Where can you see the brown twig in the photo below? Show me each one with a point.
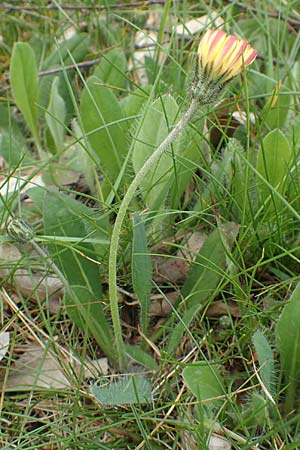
(275, 15)
(51, 7)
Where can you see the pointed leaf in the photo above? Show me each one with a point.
(205, 382)
(102, 121)
(288, 344)
(55, 116)
(67, 52)
(273, 161)
(203, 278)
(265, 359)
(112, 68)
(141, 357)
(154, 128)
(65, 217)
(141, 269)
(209, 266)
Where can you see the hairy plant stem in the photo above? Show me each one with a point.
(112, 264)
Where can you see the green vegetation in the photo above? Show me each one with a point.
(165, 313)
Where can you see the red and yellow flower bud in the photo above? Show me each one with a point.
(222, 56)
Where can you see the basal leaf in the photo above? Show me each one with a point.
(265, 359)
(55, 116)
(141, 269)
(185, 164)
(203, 279)
(154, 126)
(69, 51)
(276, 111)
(288, 344)
(141, 357)
(24, 83)
(205, 382)
(66, 218)
(134, 101)
(112, 68)
(209, 267)
(102, 119)
(273, 160)
(130, 390)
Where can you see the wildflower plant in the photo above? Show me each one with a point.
(220, 58)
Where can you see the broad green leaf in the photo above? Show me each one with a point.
(62, 218)
(238, 182)
(134, 101)
(130, 390)
(13, 145)
(141, 357)
(218, 183)
(273, 160)
(24, 84)
(154, 127)
(141, 269)
(288, 344)
(84, 306)
(256, 410)
(276, 111)
(205, 382)
(294, 133)
(102, 118)
(185, 164)
(112, 68)
(210, 264)
(203, 279)
(65, 217)
(67, 52)
(265, 359)
(293, 191)
(55, 116)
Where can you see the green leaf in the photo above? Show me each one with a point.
(102, 122)
(186, 163)
(273, 160)
(238, 182)
(276, 111)
(112, 68)
(202, 281)
(70, 51)
(65, 217)
(205, 382)
(55, 116)
(218, 184)
(84, 306)
(13, 146)
(24, 83)
(288, 344)
(265, 359)
(141, 357)
(293, 193)
(209, 266)
(154, 127)
(134, 101)
(130, 390)
(141, 269)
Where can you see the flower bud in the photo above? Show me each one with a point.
(220, 58)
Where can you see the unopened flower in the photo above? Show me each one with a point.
(220, 58)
